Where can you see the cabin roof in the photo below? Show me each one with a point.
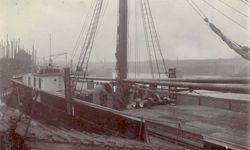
(48, 75)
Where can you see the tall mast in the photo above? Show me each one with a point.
(121, 49)
(121, 53)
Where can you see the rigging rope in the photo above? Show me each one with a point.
(129, 35)
(84, 24)
(136, 36)
(203, 16)
(90, 36)
(245, 2)
(200, 11)
(243, 51)
(152, 40)
(146, 37)
(210, 5)
(157, 39)
(98, 28)
(106, 4)
(196, 9)
(83, 61)
(151, 34)
(234, 9)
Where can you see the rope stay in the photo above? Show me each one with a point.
(152, 41)
(83, 61)
(136, 47)
(83, 28)
(203, 16)
(243, 51)
(222, 13)
(197, 9)
(245, 2)
(236, 10)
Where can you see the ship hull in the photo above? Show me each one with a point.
(51, 108)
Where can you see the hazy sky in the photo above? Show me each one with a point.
(182, 33)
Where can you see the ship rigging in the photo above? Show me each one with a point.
(157, 63)
(139, 109)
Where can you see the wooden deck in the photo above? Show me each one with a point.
(221, 127)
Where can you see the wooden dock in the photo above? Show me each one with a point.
(196, 127)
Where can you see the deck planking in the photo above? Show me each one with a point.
(227, 126)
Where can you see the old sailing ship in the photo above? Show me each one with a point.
(56, 97)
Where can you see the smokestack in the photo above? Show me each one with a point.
(33, 53)
(35, 56)
(7, 47)
(12, 49)
(18, 47)
(15, 48)
(4, 49)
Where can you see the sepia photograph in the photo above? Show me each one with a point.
(124, 74)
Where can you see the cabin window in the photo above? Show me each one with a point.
(40, 83)
(34, 82)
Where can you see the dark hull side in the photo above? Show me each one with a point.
(52, 110)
